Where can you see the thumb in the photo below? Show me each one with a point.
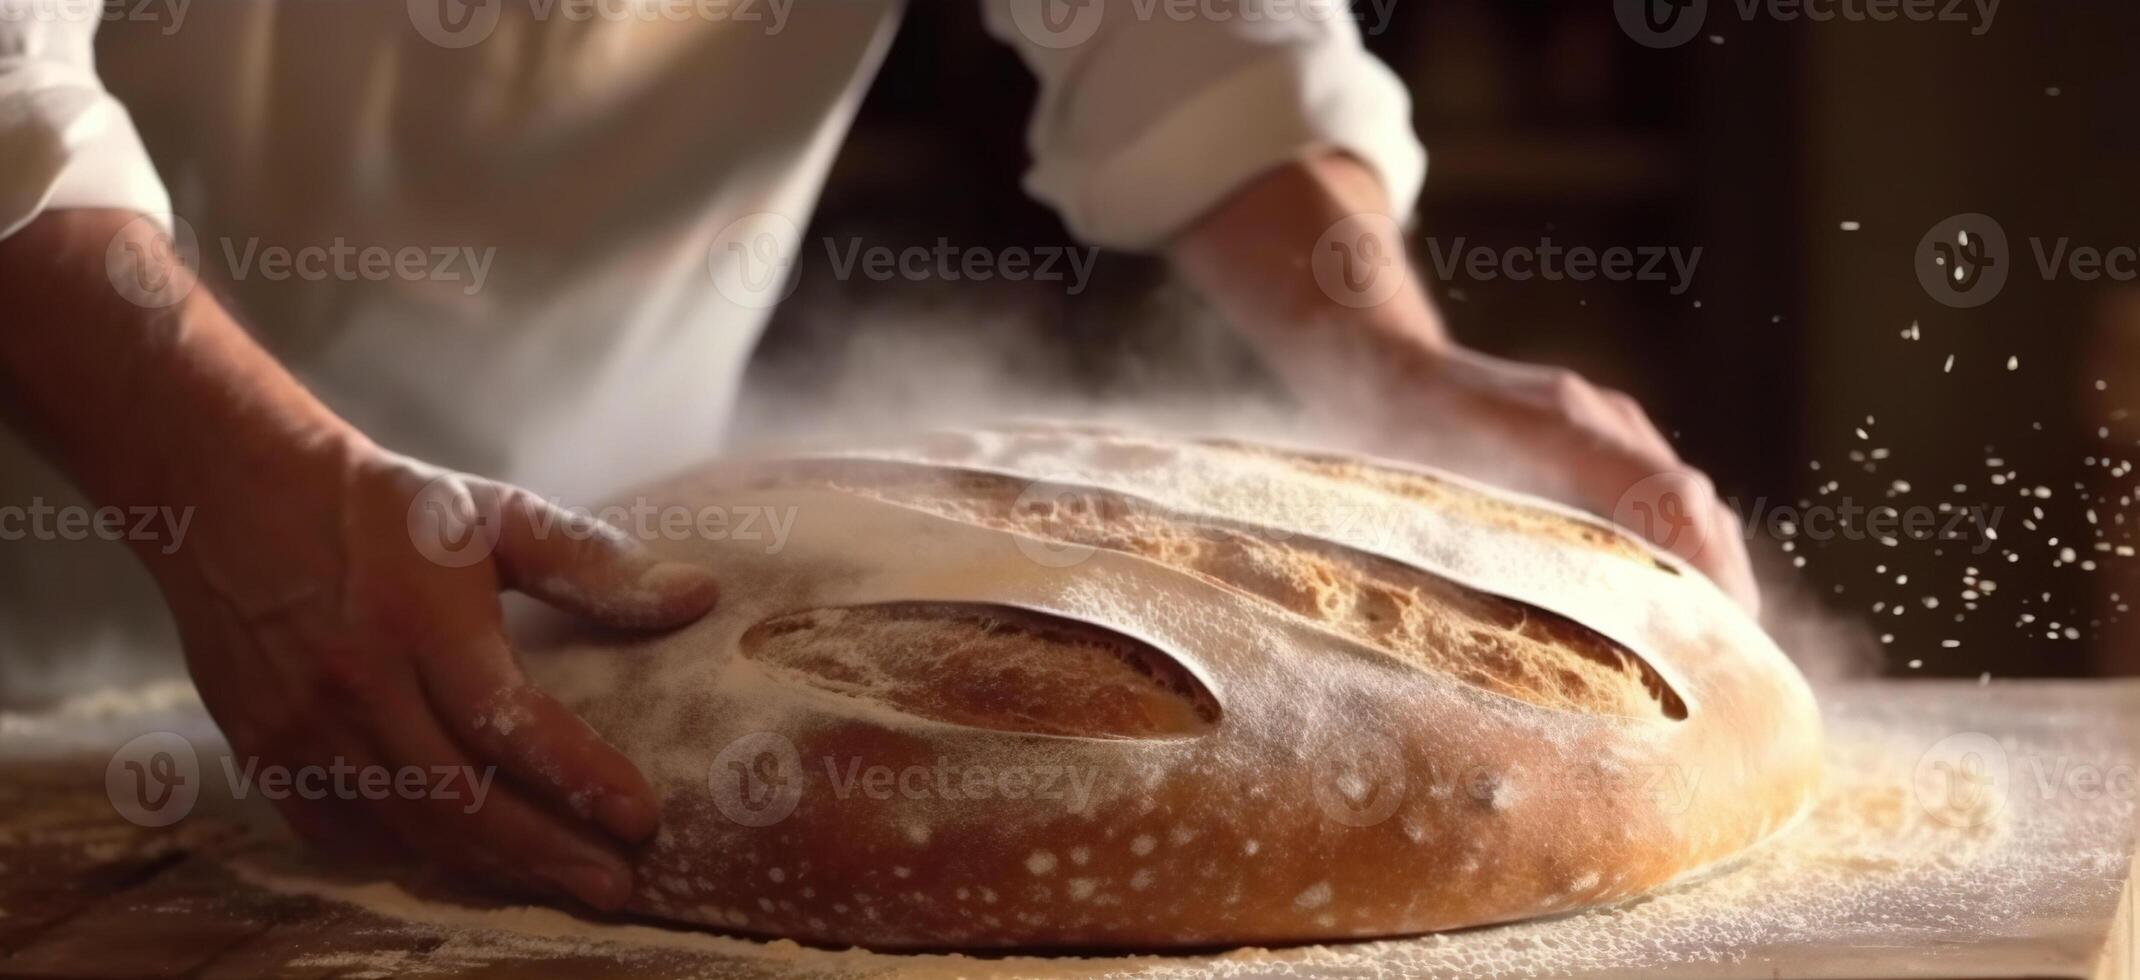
(592, 569)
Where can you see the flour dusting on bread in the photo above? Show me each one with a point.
(1062, 687)
(1503, 646)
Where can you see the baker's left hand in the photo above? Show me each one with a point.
(1306, 261)
(1552, 431)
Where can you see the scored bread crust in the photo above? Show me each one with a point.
(1056, 687)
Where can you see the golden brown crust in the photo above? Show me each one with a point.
(1504, 646)
(1437, 492)
(1008, 670)
(1278, 698)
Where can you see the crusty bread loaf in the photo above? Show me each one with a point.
(1056, 687)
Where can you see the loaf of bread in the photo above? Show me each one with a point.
(1068, 688)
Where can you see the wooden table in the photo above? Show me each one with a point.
(1972, 831)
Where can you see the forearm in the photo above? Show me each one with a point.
(1255, 258)
(139, 404)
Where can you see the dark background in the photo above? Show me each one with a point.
(1756, 141)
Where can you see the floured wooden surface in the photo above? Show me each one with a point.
(1964, 831)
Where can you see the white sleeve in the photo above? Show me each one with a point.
(1148, 117)
(64, 141)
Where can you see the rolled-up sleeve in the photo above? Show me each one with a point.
(65, 142)
(1152, 113)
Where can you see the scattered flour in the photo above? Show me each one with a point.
(1867, 868)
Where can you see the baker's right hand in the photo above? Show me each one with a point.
(343, 613)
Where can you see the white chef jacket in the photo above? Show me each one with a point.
(619, 162)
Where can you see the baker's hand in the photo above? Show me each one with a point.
(1306, 261)
(1550, 430)
(343, 613)
(338, 604)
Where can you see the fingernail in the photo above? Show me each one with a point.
(604, 888)
(626, 815)
(673, 578)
